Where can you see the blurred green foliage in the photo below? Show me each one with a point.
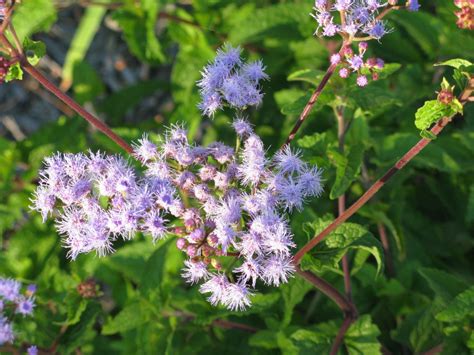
(145, 307)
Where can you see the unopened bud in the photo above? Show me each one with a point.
(445, 96)
(212, 240)
(191, 250)
(216, 264)
(181, 243)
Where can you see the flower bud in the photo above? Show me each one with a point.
(348, 52)
(216, 264)
(191, 250)
(375, 76)
(344, 73)
(181, 243)
(445, 96)
(362, 80)
(212, 240)
(363, 47)
(196, 236)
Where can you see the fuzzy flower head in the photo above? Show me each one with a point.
(237, 205)
(361, 17)
(229, 81)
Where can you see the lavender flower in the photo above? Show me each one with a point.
(229, 81)
(238, 204)
(360, 17)
(12, 297)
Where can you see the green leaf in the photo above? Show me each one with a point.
(470, 206)
(293, 293)
(426, 134)
(90, 23)
(347, 168)
(34, 50)
(264, 339)
(328, 253)
(132, 316)
(361, 337)
(33, 16)
(455, 63)
(138, 25)
(272, 21)
(81, 332)
(443, 284)
(87, 84)
(14, 73)
(153, 272)
(460, 308)
(308, 75)
(432, 111)
(296, 107)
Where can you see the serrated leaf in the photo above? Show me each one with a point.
(296, 107)
(361, 337)
(14, 73)
(328, 253)
(33, 16)
(138, 25)
(308, 75)
(293, 293)
(461, 307)
(276, 18)
(347, 169)
(455, 63)
(443, 284)
(34, 50)
(432, 111)
(130, 317)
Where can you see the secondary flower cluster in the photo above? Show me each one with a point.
(13, 301)
(96, 199)
(229, 81)
(352, 62)
(236, 231)
(466, 14)
(356, 17)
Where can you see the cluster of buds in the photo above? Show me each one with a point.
(354, 63)
(466, 14)
(12, 302)
(88, 289)
(446, 94)
(4, 67)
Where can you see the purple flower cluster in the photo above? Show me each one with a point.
(13, 301)
(356, 17)
(355, 63)
(96, 199)
(237, 202)
(229, 80)
(238, 212)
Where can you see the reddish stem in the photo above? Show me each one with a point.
(340, 335)
(414, 151)
(313, 99)
(101, 126)
(346, 306)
